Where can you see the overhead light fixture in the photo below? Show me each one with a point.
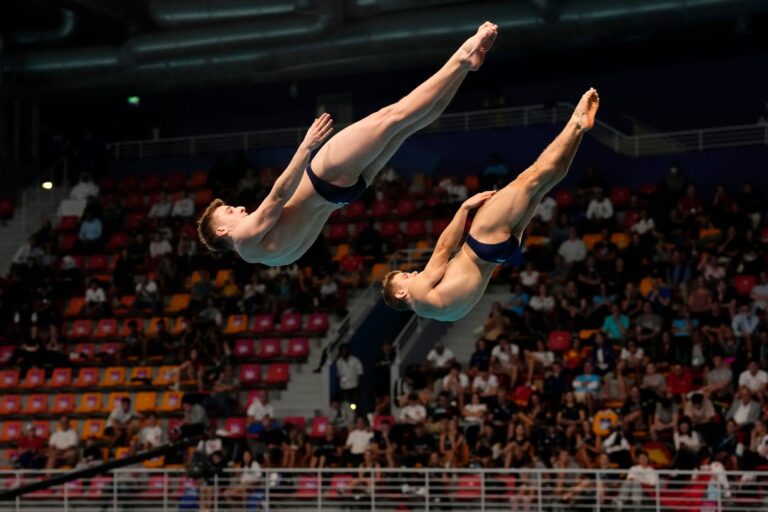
(47, 185)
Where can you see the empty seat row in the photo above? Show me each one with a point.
(271, 348)
(89, 403)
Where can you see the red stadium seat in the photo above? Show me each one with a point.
(415, 228)
(6, 208)
(261, 394)
(107, 185)
(379, 419)
(472, 183)
(236, 427)
(174, 182)
(134, 221)
(744, 284)
(522, 395)
(203, 197)
(133, 202)
(564, 199)
(63, 403)
(116, 242)
(263, 324)
(298, 348)
(299, 421)
(468, 487)
(36, 404)
(198, 179)
(67, 242)
(155, 487)
(307, 487)
(354, 210)
(319, 426)
(97, 263)
(620, 196)
(9, 378)
(631, 218)
(10, 404)
(406, 207)
(35, 378)
(6, 352)
(106, 328)
(338, 232)
(269, 348)
(438, 226)
(42, 428)
(559, 341)
(151, 182)
(317, 322)
(380, 209)
(61, 378)
(109, 350)
(99, 486)
(88, 377)
(290, 322)
(250, 374)
(80, 329)
(12, 431)
(85, 351)
(128, 183)
(74, 306)
(69, 223)
(338, 485)
(277, 374)
(389, 228)
(244, 348)
(356, 228)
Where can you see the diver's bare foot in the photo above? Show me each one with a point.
(584, 115)
(474, 50)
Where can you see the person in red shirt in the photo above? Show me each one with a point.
(31, 454)
(679, 380)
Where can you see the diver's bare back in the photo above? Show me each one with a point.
(463, 284)
(300, 223)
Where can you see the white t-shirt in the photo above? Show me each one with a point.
(152, 436)
(646, 476)
(600, 209)
(416, 413)
(157, 249)
(626, 355)
(258, 410)
(760, 290)
(184, 207)
(329, 288)
(160, 210)
(475, 409)
(349, 371)
(753, 382)
(83, 190)
(96, 295)
(463, 381)
(149, 287)
(63, 439)
(440, 360)
(573, 251)
(505, 357)
(358, 441)
(539, 303)
(529, 279)
(251, 474)
(120, 417)
(643, 226)
(482, 385)
(546, 209)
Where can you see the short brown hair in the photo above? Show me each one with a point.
(388, 292)
(207, 232)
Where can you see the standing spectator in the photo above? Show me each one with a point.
(95, 300)
(63, 446)
(573, 250)
(159, 246)
(122, 424)
(350, 373)
(184, 206)
(600, 209)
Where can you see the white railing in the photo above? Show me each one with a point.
(629, 145)
(403, 489)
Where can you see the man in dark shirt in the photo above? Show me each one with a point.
(555, 384)
(273, 438)
(501, 410)
(443, 408)
(419, 446)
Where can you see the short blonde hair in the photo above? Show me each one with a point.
(388, 291)
(207, 232)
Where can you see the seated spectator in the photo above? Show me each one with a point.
(456, 382)
(340, 417)
(754, 379)
(715, 322)
(648, 324)
(504, 357)
(122, 424)
(273, 439)
(602, 354)
(327, 450)
(475, 411)
(414, 412)
(63, 446)
(195, 419)
(573, 250)
(653, 383)
(95, 300)
(162, 208)
(159, 246)
(616, 325)
(329, 293)
(745, 322)
(719, 380)
(640, 476)
(570, 414)
(92, 455)
(248, 479)
(632, 354)
(183, 207)
(90, 233)
(210, 315)
(600, 209)
(357, 442)
(152, 435)
(84, 188)
(664, 418)
(679, 381)
(439, 361)
(418, 447)
(684, 325)
(30, 453)
(223, 399)
(516, 304)
(147, 296)
(529, 277)
(633, 412)
(687, 444)
(29, 250)
(744, 411)
(586, 386)
(616, 446)
(539, 357)
(542, 302)
(759, 293)
(258, 409)
(485, 383)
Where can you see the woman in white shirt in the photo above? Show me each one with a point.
(543, 302)
(244, 481)
(474, 412)
(529, 277)
(687, 445)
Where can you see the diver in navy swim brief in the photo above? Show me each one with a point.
(449, 287)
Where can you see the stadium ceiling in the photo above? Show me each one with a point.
(53, 45)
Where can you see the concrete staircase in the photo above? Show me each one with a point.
(460, 337)
(303, 396)
(33, 207)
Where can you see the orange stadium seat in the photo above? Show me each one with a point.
(203, 197)
(9, 379)
(622, 240)
(140, 375)
(146, 401)
(171, 401)
(236, 324)
(87, 377)
(378, 271)
(10, 404)
(63, 403)
(35, 378)
(290, 322)
(113, 376)
(124, 327)
(178, 303)
(277, 374)
(12, 431)
(298, 348)
(80, 329)
(89, 403)
(591, 239)
(165, 376)
(317, 322)
(263, 324)
(108, 350)
(710, 234)
(250, 374)
(222, 276)
(179, 325)
(154, 325)
(85, 351)
(341, 251)
(36, 404)
(198, 179)
(61, 378)
(106, 328)
(244, 348)
(269, 348)
(74, 306)
(113, 399)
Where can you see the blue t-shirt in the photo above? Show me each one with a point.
(611, 326)
(678, 326)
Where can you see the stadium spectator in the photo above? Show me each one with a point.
(147, 296)
(258, 409)
(162, 208)
(90, 233)
(159, 246)
(223, 399)
(639, 476)
(744, 411)
(122, 424)
(357, 443)
(195, 418)
(573, 250)
(439, 361)
(84, 188)
(152, 435)
(183, 207)
(246, 480)
(350, 373)
(600, 208)
(95, 300)
(754, 379)
(63, 446)
(30, 453)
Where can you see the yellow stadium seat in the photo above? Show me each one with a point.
(146, 401)
(113, 376)
(236, 324)
(585, 334)
(171, 401)
(178, 326)
(93, 429)
(140, 375)
(89, 402)
(535, 241)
